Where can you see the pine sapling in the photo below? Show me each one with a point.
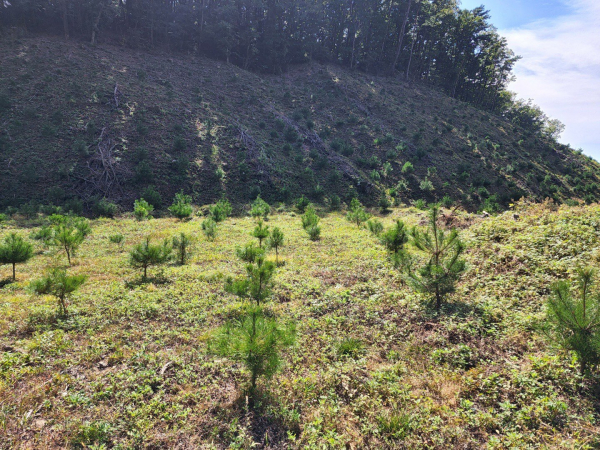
(60, 285)
(275, 242)
(443, 267)
(256, 340)
(575, 319)
(145, 255)
(260, 232)
(182, 245)
(15, 250)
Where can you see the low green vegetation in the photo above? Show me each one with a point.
(344, 344)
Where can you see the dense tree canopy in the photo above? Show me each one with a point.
(429, 40)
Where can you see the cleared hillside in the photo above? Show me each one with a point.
(90, 122)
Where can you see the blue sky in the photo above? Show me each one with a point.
(559, 41)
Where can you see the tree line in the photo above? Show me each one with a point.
(434, 41)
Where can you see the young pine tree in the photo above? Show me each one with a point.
(260, 208)
(145, 255)
(260, 232)
(356, 213)
(256, 340)
(393, 240)
(275, 242)
(182, 245)
(310, 223)
(575, 319)
(70, 235)
(182, 206)
(443, 268)
(384, 203)
(15, 250)
(375, 227)
(209, 228)
(221, 210)
(249, 253)
(257, 286)
(142, 209)
(60, 285)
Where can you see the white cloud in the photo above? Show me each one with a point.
(560, 70)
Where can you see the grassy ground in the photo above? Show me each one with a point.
(130, 368)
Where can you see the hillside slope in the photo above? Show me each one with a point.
(92, 122)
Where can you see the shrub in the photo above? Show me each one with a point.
(74, 206)
(393, 240)
(145, 255)
(15, 250)
(181, 165)
(209, 228)
(275, 242)
(256, 341)
(260, 232)
(221, 210)
(314, 232)
(182, 245)
(447, 201)
(249, 253)
(60, 285)
(335, 203)
(279, 124)
(575, 319)
(490, 204)
(426, 185)
(290, 135)
(260, 208)
(301, 204)
(420, 204)
(182, 206)
(375, 175)
(105, 208)
(153, 197)
(386, 170)
(408, 167)
(357, 213)
(179, 144)
(117, 239)
(318, 193)
(443, 267)
(384, 203)
(350, 347)
(69, 235)
(143, 172)
(375, 226)
(142, 209)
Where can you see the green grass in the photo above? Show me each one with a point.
(373, 366)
